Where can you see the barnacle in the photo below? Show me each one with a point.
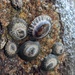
(18, 29)
(58, 48)
(49, 62)
(40, 26)
(29, 50)
(10, 49)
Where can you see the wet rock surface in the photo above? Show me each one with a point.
(30, 10)
(17, 4)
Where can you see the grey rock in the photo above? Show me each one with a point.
(66, 10)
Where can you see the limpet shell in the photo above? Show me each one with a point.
(49, 62)
(17, 4)
(40, 26)
(3, 41)
(18, 29)
(29, 50)
(58, 48)
(11, 49)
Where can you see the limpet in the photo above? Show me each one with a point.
(40, 26)
(17, 29)
(29, 50)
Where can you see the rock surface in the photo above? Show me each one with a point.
(62, 14)
(66, 11)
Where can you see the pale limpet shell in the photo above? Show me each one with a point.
(11, 49)
(17, 29)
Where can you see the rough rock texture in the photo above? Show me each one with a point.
(30, 10)
(66, 11)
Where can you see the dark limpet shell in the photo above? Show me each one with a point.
(17, 4)
(49, 62)
(18, 29)
(58, 48)
(40, 26)
(29, 50)
(11, 49)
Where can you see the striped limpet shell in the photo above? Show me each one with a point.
(40, 26)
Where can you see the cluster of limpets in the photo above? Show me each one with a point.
(18, 29)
